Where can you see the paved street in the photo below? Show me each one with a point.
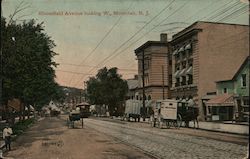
(167, 143)
(50, 138)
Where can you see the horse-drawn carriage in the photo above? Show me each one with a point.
(165, 113)
(171, 112)
(81, 111)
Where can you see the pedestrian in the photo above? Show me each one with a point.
(7, 132)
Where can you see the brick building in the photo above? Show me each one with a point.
(203, 53)
(156, 68)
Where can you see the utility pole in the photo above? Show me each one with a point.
(1, 60)
(163, 91)
(143, 87)
(85, 91)
(80, 96)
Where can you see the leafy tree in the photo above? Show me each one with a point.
(28, 66)
(107, 88)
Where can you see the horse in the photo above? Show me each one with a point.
(191, 114)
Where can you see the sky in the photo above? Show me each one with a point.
(92, 34)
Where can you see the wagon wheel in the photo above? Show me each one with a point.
(161, 122)
(178, 122)
(168, 124)
(152, 121)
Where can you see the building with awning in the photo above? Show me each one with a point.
(221, 107)
(239, 86)
(196, 66)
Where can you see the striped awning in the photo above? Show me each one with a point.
(189, 71)
(183, 101)
(183, 72)
(175, 52)
(191, 103)
(188, 46)
(181, 49)
(176, 74)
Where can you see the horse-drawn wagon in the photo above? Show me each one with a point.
(165, 114)
(81, 111)
(171, 112)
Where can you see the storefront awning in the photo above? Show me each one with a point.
(181, 49)
(175, 52)
(183, 72)
(221, 100)
(191, 103)
(183, 101)
(188, 46)
(189, 71)
(176, 74)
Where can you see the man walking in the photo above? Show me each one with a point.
(7, 132)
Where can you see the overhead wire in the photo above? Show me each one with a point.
(101, 41)
(148, 32)
(167, 6)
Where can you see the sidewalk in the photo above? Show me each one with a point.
(223, 127)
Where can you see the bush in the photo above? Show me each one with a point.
(21, 126)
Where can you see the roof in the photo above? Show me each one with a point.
(149, 43)
(195, 23)
(221, 100)
(247, 60)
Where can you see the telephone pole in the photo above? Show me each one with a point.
(1, 61)
(143, 87)
(163, 91)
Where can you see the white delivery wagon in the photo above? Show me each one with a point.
(165, 113)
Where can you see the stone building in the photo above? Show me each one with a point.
(156, 69)
(203, 53)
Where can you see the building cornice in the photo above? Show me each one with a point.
(150, 43)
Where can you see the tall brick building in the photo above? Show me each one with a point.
(156, 68)
(203, 53)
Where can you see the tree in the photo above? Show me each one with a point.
(107, 88)
(28, 66)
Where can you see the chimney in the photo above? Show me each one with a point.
(164, 37)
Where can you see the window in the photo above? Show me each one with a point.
(170, 62)
(177, 57)
(190, 79)
(183, 82)
(177, 67)
(184, 64)
(243, 80)
(190, 62)
(225, 90)
(246, 102)
(177, 82)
